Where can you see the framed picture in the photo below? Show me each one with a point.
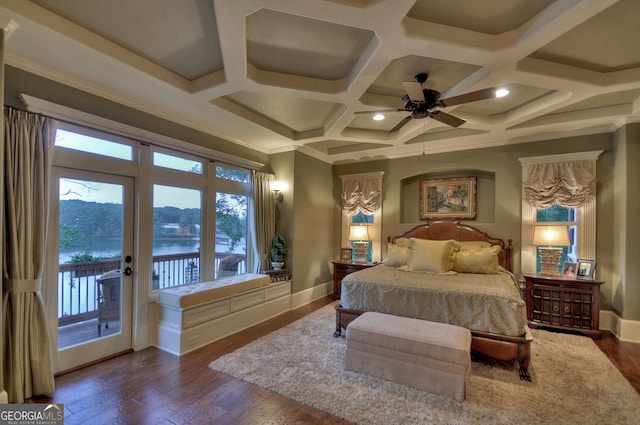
(586, 268)
(448, 198)
(345, 254)
(569, 268)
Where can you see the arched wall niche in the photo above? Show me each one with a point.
(485, 194)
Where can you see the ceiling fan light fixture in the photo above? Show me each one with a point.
(378, 117)
(502, 92)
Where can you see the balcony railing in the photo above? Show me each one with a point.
(78, 283)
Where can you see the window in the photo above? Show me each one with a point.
(233, 174)
(176, 192)
(565, 216)
(233, 188)
(176, 236)
(581, 219)
(86, 143)
(231, 234)
(177, 163)
(362, 218)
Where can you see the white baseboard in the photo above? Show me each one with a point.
(308, 295)
(624, 330)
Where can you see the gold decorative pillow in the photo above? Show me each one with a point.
(479, 260)
(404, 242)
(396, 255)
(432, 256)
(471, 245)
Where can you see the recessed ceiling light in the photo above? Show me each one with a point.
(378, 117)
(502, 92)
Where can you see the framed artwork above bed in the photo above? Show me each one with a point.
(448, 198)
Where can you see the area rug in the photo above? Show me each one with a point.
(573, 382)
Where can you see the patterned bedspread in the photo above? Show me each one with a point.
(482, 302)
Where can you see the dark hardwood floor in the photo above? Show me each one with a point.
(154, 387)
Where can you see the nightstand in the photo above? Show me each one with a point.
(341, 269)
(563, 303)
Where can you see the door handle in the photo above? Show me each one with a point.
(128, 271)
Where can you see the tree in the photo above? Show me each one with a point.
(231, 217)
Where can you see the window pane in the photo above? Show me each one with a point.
(84, 143)
(232, 174)
(559, 214)
(231, 234)
(555, 213)
(177, 163)
(176, 236)
(361, 217)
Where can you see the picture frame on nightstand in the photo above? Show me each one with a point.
(569, 269)
(586, 268)
(346, 254)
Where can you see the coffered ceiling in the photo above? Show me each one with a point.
(284, 74)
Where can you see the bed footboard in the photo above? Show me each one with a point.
(497, 347)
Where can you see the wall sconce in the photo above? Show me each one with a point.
(360, 235)
(548, 239)
(277, 187)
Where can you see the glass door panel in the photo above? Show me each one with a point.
(94, 266)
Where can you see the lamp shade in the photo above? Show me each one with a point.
(359, 232)
(551, 236)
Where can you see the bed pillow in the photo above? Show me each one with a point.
(396, 255)
(432, 256)
(468, 245)
(479, 260)
(404, 242)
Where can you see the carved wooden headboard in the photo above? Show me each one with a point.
(452, 229)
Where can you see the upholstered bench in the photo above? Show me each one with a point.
(431, 356)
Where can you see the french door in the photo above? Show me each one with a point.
(91, 245)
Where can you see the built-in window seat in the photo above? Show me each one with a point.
(191, 316)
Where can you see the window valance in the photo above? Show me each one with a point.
(570, 184)
(361, 194)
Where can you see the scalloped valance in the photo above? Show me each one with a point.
(361, 194)
(570, 184)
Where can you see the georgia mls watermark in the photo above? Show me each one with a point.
(31, 414)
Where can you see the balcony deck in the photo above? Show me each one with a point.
(81, 332)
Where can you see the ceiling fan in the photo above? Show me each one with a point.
(422, 103)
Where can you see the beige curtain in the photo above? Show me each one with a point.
(264, 218)
(361, 195)
(29, 139)
(569, 184)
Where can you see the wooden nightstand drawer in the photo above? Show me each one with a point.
(341, 269)
(563, 303)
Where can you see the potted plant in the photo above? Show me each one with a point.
(278, 251)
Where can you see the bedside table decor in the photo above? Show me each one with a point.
(563, 303)
(586, 268)
(360, 235)
(346, 254)
(548, 239)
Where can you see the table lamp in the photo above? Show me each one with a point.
(360, 235)
(549, 238)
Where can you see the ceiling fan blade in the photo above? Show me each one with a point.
(414, 90)
(401, 124)
(469, 97)
(378, 111)
(448, 119)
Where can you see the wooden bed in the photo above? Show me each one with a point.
(495, 346)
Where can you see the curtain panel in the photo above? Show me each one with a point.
(28, 144)
(569, 184)
(362, 195)
(264, 225)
